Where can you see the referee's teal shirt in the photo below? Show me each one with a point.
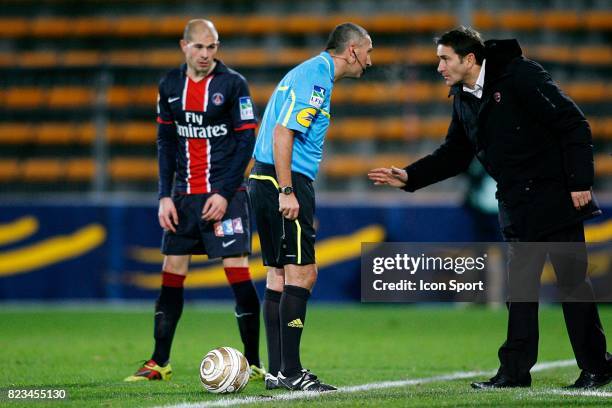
(300, 102)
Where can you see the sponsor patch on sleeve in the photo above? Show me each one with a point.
(246, 108)
(305, 116)
(317, 97)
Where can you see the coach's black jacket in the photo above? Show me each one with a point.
(530, 137)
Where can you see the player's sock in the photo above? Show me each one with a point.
(271, 306)
(168, 309)
(247, 311)
(292, 318)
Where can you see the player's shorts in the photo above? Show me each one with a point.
(283, 241)
(229, 237)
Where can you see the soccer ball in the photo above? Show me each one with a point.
(224, 370)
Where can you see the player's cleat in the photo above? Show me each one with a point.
(151, 371)
(271, 382)
(256, 373)
(304, 381)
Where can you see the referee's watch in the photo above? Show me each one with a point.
(286, 190)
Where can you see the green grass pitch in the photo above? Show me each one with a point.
(89, 350)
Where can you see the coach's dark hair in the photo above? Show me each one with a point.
(342, 34)
(463, 40)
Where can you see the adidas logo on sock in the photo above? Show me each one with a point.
(296, 323)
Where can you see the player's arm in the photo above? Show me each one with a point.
(166, 160)
(448, 160)
(244, 123)
(283, 151)
(557, 112)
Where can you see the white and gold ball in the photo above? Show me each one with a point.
(224, 370)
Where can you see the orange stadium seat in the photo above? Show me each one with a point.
(82, 169)
(41, 170)
(70, 96)
(433, 21)
(598, 20)
(81, 58)
(38, 59)
(134, 26)
(133, 169)
(519, 20)
(11, 27)
(91, 26)
(45, 27)
(9, 169)
(603, 165)
(15, 133)
(560, 20)
(86, 133)
(55, 133)
(483, 20)
(24, 97)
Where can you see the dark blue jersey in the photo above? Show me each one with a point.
(206, 132)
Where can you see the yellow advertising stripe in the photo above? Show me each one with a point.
(52, 250)
(328, 252)
(598, 232)
(18, 230)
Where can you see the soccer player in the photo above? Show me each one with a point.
(205, 140)
(287, 154)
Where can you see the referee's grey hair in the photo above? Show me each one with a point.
(343, 34)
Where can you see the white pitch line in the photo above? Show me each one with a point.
(577, 393)
(298, 395)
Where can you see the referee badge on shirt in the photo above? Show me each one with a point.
(246, 108)
(317, 96)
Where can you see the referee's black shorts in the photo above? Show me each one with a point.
(283, 242)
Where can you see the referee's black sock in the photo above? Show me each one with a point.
(168, 310)
(247, 311)
(272, 321)
(292, 318)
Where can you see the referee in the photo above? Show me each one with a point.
(287, 154)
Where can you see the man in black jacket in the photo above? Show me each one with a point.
(536, 143)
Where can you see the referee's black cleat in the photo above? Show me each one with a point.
(271, 382)
(500, 381)
(304, 381)
(589, 380)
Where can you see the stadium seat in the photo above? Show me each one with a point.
(9, 170)
(42, 170)
(79, 170)
(133, 169)
(16, 133)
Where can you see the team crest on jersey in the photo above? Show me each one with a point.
(218, 229)
(217, 98)
(317, 97)
(237, 225)
(246, 108)
(305, 116)
(228, 229)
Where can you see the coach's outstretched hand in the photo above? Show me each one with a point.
(167, 214)
(393, 176)
(214, 208)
